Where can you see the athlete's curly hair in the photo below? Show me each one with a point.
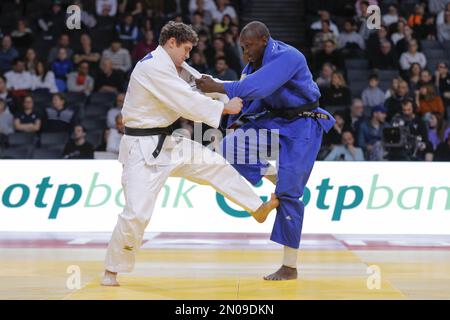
(180, 31)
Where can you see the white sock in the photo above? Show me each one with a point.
(290, 257)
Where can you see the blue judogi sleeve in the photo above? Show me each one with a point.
(267, 79)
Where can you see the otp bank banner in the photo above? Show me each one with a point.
(341, 197)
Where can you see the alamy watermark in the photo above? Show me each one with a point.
(73, 20)
(373, 17)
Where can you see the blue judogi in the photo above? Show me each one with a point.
(283, 81)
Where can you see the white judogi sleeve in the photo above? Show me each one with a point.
(162, 80)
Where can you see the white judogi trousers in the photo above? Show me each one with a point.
(143, 177)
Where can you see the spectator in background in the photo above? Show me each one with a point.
(362, 19)
(114, 135)
(18, 79)
(325, 16)
(59, 118)
(7, 54)
(120, 57)
(393, 104)
(435, 6)
(223, 8)
(108, 79)
(412, 56)
(63, 42)
(346, 151)
(128, 31)
(145, 46)
(386, 59)
(328, 54)
(222, 71)
(87, 53)
(391, 17)
(30, 61)
(417, 19)
(338, 94)
(442, 152)
(220, 48)
(223, 26)
(414, 77)
(428, 101)
(425, 77)
(349, 41)
(116, 110)
(440, 18)
(61, 68)
(106, 7)
(44, 79)
(400, 33)
(417, 129)
(393, 88)
(438, 132)
(27, 120)
(325, 34)
(198, 62)
(206, 8)
(442, 78)
(80, 81)
(403, 44)
(324, 80)
(88, 20)
(373, 96)
(354, 115)
(370, 134)
(22, 36)
(51, 21)
(78, 147)
(4, 95)
(374, 42)
(6, 123)
(199, 25)
(443, 29)
(334, 137)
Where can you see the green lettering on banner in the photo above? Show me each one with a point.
(431, 198)
(166, 189)
(93, 186)
(57, 203)
(340, 206)
(373, 189)
(6, 199)
(42, 187)
(182, 194)
(418, 198)
(323, 189)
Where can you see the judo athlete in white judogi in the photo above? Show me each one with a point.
(156, 97)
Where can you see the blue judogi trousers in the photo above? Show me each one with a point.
(295, 160)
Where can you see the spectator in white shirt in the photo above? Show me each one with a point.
(391, 16)
(106, 7)
(223, 8)
(18, 78)
(113, 112)
(443, 29)
(119, 56)
(44, 78)
(441, 15)
(411, 56)
(325, 15)
(114, 135)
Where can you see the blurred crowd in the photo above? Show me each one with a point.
(61, 91)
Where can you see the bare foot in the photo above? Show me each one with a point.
(110, 279)
(263, 211)
(284, 273)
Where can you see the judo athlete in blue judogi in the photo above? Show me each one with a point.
(280, 96)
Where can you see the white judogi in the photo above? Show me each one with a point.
(156, 97)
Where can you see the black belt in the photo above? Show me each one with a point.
(303, 111)
(161, 132)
